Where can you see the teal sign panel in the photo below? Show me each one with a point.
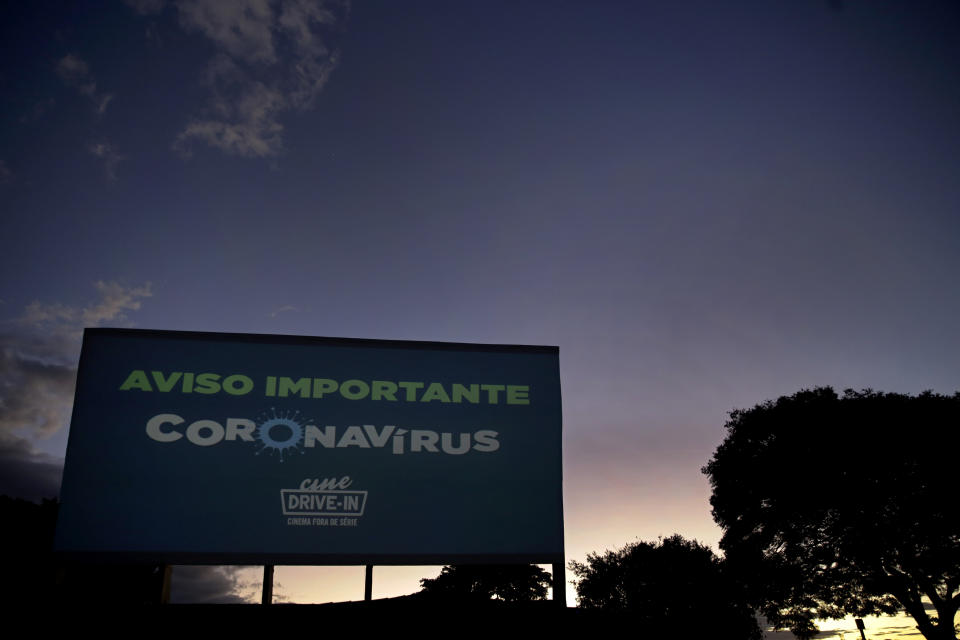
(234, 448)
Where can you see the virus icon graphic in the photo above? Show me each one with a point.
(280, 432)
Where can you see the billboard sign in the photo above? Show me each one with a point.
(251, 449)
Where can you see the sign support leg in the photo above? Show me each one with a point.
(165, 583)
(559, 585)
(368, 584)
(267, 584)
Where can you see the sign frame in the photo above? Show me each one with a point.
(91, 393)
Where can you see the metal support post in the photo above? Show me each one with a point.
(165, 583)
(267, 584)
(559, 585)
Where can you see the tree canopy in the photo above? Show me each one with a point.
(673, 586)
(843, 505)
(506, 582)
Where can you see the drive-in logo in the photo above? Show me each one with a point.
(326, 502)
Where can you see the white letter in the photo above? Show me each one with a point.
(353, 437)
(240, 427)
(381, 439)
(398, 442)
(486, 441)
(423, 439)
(216, 433)
(153, 427)
(446, 443)
(312, 435)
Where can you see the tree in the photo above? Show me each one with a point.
(506, 582)
(843, 505)
(30, 568)
(26, 550)
(674, 584)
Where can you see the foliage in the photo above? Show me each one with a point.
(507, 582)
(26, 549)
(34, 576)
(673, 585)
(843, 505)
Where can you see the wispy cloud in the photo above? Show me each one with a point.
(5, 174)
(76, 73)
(283, 309)
(110, 156)
(146, 7)
(242, 28)
(26, 473)
(214, 585)
(33, 390)
(246, 126)
(114, 301)
(37, 111)
(38, 356)
(252, 84)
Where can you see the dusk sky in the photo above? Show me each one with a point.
(704, 204)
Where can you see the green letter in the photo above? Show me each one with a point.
(362, 390)
(136, 380)
(517, 394)
(230, 385)
(165, 385)
(411, 389)
(472, 394)
(435, 392)
(492, 391)
(301, 386)
(207, 383)
(384, 390)
(322, 386)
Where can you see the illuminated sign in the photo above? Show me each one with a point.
(227, 448)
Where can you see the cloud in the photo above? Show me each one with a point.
(73, 71)
(57, 319)
(34, 390)
(249, 129)
(283, 309)
(110, 156)
(36, 111)
(102, 101)
(315, 62)
(153, 35)
(146, 7)
(270, 58)
(38, 368)
(76, 73)
(5, 174)
(115, 299)
(242, 28)
(27, 474)
(209, 585)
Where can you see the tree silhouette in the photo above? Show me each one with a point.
(834, 506)
(26, 550)
(508, 582)
(32, 574)
(668, 587)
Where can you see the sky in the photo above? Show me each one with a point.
(704, 205)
